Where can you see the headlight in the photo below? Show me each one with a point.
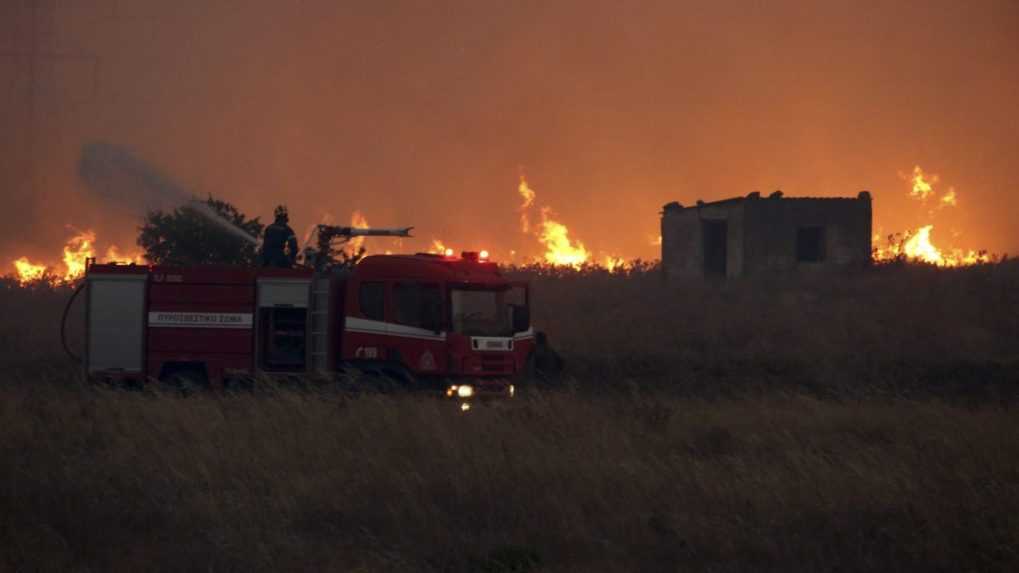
(465, 391)
(512, 390)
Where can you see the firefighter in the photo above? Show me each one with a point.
(279, 244)
(545, 364)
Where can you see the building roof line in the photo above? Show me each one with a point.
(756, 196)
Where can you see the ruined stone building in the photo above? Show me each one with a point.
(753, 234)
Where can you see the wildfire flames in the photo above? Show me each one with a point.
(557, 246)
(528, 196)
(923, 185)
(917, 245)
(76, 251)
(27, 272)
(555, 236)
(560, 250)
(612, 263)
(439, 248)
(358, 221)
(71, 267)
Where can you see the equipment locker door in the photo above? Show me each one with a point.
(283, 326)
(116, 323)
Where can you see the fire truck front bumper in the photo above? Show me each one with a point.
(481, 389)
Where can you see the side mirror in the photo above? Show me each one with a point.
(521, 317)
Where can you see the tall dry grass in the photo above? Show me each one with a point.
(30, 324)
(892, 330)
(112, 481)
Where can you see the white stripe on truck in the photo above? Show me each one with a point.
(366, 326)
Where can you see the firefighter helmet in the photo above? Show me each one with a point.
(281, 213)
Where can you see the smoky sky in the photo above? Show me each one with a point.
(427, 113)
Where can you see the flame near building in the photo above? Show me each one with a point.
(917, 244)
(559, 248)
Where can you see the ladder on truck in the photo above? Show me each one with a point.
(320, 325)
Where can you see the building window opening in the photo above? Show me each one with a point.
(284, 339)
(810, 244)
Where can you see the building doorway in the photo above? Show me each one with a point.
(715, 236)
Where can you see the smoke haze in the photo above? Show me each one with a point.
(425, 113)
(119, 180)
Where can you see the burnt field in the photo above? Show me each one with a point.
(824, 423)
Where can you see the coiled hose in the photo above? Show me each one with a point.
(63, 323)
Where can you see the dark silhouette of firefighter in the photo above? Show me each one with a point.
(279, 244)
(545, 364)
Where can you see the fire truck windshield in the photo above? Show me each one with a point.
(479, 312)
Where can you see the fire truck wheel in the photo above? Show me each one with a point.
(399, 376)
(184, 382)
(239, 384)
(385, 378)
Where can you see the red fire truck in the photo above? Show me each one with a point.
(450, 322)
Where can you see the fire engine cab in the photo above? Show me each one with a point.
(427, 320)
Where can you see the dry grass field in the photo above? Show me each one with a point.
(894, 331)
(826, 423)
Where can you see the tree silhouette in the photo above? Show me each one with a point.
(187, 236)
